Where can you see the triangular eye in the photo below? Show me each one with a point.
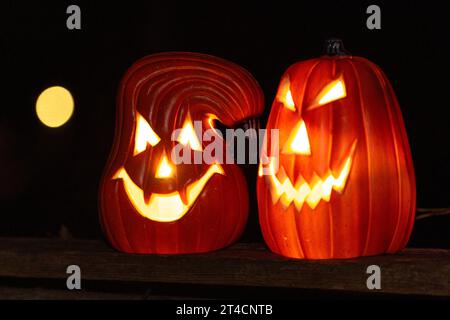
(333, 91)
(187, 136)
(288, 101)
(285, 95)
(144, 135)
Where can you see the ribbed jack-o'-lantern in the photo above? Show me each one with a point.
(342, 184)
(148, 203)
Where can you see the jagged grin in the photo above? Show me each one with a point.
(165, 207)
(283, 190)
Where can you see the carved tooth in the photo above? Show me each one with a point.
(120, 174)
(274, 193)
(327, 186)
(183, 195)
(315, 195)
(147, 195)
(303, 190)
(281, 174)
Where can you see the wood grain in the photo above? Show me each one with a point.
(411, 272)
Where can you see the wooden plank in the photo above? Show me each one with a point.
(42, 293)
(411, 272)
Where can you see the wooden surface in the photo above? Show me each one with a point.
(412, 272)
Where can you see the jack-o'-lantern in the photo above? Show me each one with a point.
(342, 184)
(149, 203)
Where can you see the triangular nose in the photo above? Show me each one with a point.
(164, 169)
(298, 141)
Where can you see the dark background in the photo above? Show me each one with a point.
(49, 177)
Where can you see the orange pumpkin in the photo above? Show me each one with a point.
(345, 184)
(148, 203)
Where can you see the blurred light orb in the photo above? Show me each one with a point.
(54, 106)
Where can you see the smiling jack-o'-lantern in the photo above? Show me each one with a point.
(148, 203)
(342, 184)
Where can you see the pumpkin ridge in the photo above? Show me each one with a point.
(369, 223)
(298, 219)
(397, 158)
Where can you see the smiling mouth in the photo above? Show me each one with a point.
(312, 193)
(165, 207)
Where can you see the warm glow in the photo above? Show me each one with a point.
(339, 182)
(335, 90)
(144, 135)
(285, 95)
(288, 101)
(211, 119)
(318, 189)
(165, 207)
(54, 106)
(187, 136)
(164, 169)
(298, 141)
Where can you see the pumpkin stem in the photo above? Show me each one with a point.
(335, 47)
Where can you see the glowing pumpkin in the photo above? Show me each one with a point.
(149, 204)
(345, 184)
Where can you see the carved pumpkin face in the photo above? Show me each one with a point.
(167, 190)
(149, 204)
(345, 183)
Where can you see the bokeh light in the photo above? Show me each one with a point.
(54, 106)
